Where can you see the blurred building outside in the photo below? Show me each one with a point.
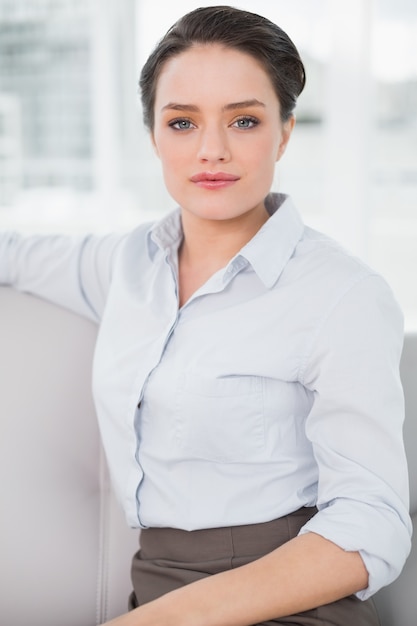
(74, 155)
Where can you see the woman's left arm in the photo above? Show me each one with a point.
(355, 428)
(305, 572)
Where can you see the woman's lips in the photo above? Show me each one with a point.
(211, 180)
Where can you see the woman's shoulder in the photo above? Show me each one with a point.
(326, 258)
(327, 274)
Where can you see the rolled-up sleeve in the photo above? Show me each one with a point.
(355, 427)
(73, 272)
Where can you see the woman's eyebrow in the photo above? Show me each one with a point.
(176, 106)
(243, 105)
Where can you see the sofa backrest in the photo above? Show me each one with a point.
(397, 603)
(65, 549)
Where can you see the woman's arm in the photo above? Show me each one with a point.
(355, 428)
(306, 572)
(73, 272)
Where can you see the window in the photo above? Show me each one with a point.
(74, 155)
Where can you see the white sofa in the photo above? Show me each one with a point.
(64, 547)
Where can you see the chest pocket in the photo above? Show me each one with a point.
(221, 419)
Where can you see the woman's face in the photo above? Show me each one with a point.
(218, 131)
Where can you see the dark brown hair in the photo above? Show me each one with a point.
(233, 28)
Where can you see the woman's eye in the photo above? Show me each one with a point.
(246, 122)
(181, 124)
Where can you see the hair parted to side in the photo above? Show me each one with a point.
(233, 28)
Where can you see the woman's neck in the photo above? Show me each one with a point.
(217, 241)
(208, 245)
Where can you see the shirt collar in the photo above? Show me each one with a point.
(270, 249)
(267, 252)
(166, 234)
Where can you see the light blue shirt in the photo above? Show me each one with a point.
(275, 386)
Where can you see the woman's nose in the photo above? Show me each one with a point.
(213, 145)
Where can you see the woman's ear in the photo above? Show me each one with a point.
(287, 128)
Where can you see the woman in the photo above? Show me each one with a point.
(246, 371)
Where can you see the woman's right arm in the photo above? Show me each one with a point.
(73, 272)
